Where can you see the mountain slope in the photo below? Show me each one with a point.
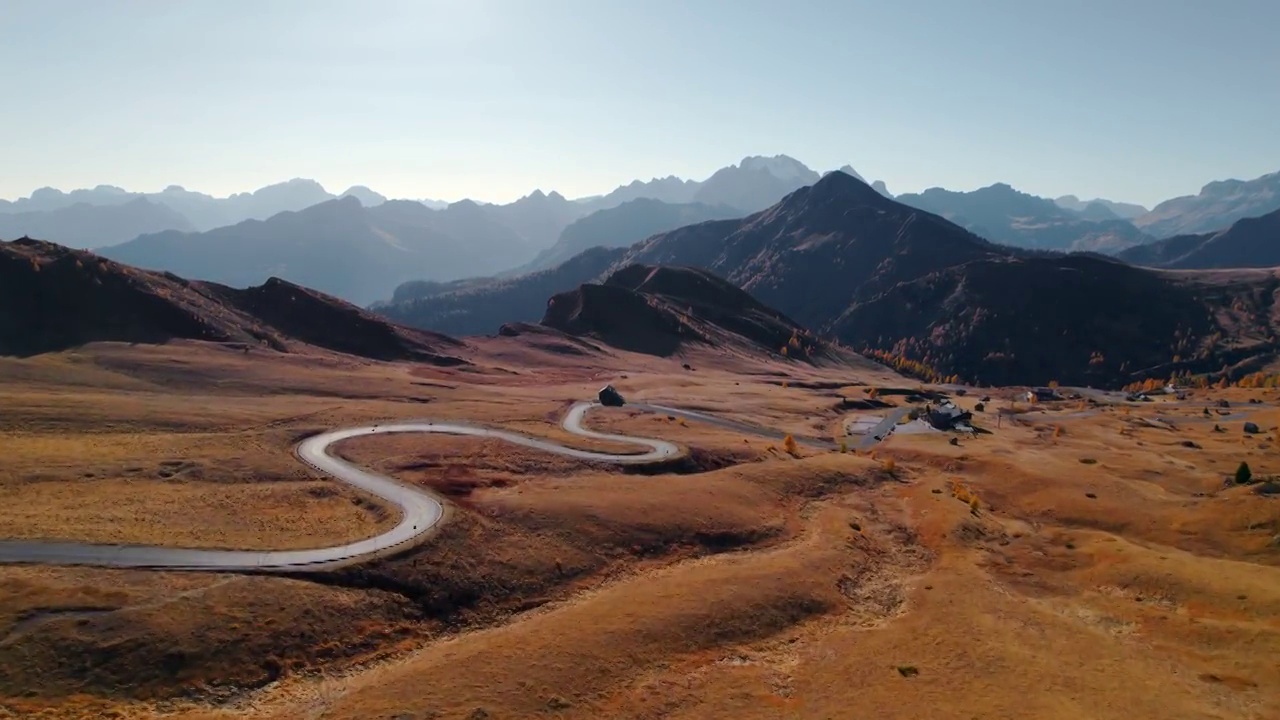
(807, 256)
(200, 211)
(912, 287)
(625, 225)
(1218, 205)
(82, 225)
(670, 189)
(819, 249)
(1005, 215)
(367, 197)
(54, 298)
(663, 310)
(1121, 210)
(538, 218)
(338, 247)
(482, 305)
(47, 198)
(931, 297)
(1073, 318)
(755, 183)
(1248, 243)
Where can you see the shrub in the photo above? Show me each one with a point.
(1243, 474)
(789, 445)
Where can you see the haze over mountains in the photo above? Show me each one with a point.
(1218, 205)
(625, 225)
(1005, 215)
(200, 211)
(1248, 243)
(338, 247)
(836, 258)
(1105, 208)
(82, 225)
(364, 249)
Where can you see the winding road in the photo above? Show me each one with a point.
(421, 510)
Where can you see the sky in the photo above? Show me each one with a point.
(1135, 100)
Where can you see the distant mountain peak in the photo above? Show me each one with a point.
(783, 167)
(1218, 205)
(839, 184)
(847, 170)
(367, 197)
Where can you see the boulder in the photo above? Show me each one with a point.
(1251, 428)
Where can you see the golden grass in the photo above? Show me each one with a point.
(280, 515)
(759, 585)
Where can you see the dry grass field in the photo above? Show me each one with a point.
(1075, 562)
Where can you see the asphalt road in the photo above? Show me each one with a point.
(421, 510)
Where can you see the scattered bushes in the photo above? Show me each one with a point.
(789, 446)
(966, 495)
(1243, 474)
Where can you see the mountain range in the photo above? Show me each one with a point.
(624, 225)
(412, 241)
(833, 268)
(81, 225)
(361, 245)
(1248, 243)
(338, 247)
(881, 276)
(1218, 205)
(1005, 215)
(196, 210)
(1100, 209)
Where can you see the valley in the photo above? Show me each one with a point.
(659, 361)
(837, 483)
(746, 580)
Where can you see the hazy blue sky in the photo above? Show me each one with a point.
(1128, 99)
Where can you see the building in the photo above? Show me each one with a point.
(948, 417)
(611, 397)
(1043, 395)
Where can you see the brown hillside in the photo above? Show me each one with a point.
(659, 310)
(821, 248)
(880, 276)
(1076, 319)
(56, 298)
